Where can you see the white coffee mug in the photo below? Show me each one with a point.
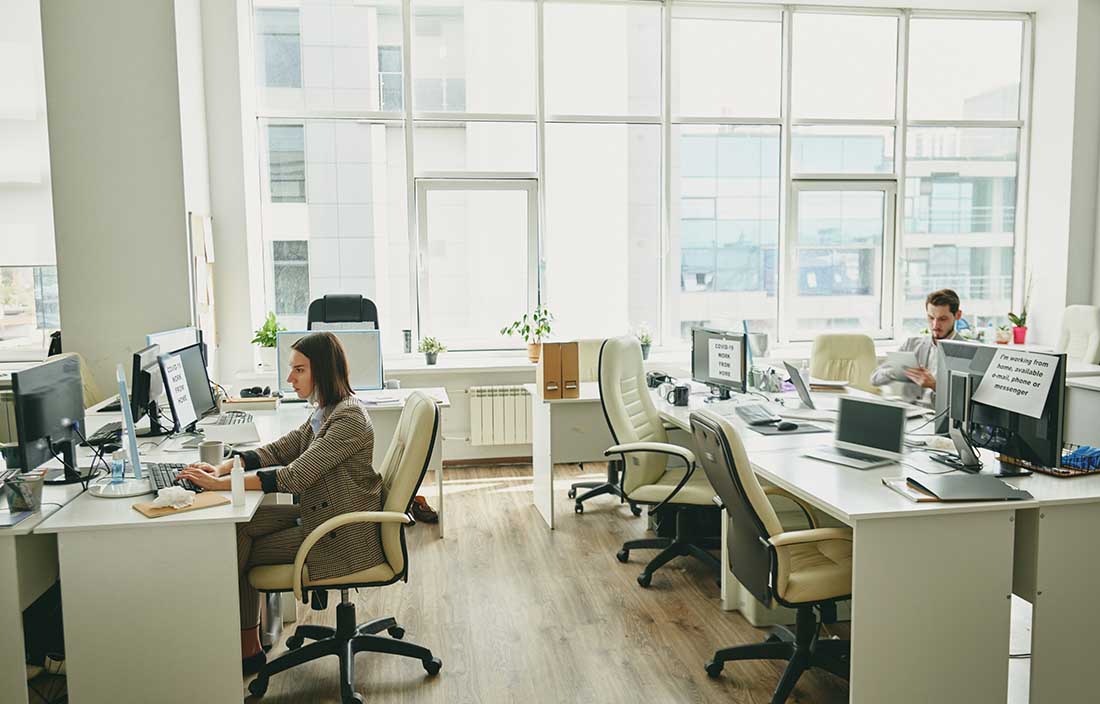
(212, 452)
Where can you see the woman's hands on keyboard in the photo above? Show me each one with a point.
(198, 475)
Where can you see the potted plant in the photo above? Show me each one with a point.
(532, 327)
(266, 337)
(431, 348)
(1019, 322)
(645, 340)
(1004, 335)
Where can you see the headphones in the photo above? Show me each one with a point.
(255, 392)
(655, 379)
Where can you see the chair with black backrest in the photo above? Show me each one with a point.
(342, 308)
(807, 570)
(402, 472)
(642, 443)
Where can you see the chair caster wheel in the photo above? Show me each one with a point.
(258, 686)
(623, 555)
(355, 698)
(644, 579)
(572, 493)
(294, 642)
(714, 669)
(636, 510)
(396, 632)
(579, 508)
(433, 666)
(772, 638)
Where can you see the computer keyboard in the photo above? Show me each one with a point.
(234, 418)
(163, 474)
(756, 414)
(108, 433)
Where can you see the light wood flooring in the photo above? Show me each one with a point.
(519, 613)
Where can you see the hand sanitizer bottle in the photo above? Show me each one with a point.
(236, 481)
(118, 466)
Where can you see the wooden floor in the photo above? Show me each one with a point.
(519, 613)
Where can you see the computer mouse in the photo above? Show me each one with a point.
(109, 447)
(786, 425)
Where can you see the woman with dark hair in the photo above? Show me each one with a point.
(327, 463)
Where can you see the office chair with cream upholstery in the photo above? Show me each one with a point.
(588, 359)
(92, 395)
(1080, 334)
(642, 443)
(807, 570)
(402, 471)
(847, 357)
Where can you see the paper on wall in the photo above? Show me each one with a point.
(1017, 381)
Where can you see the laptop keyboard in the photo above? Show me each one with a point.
(235, 418)
(163, 474)
(856, 455)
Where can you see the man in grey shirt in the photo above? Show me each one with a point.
(919, 383)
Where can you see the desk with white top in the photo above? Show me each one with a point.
(28, 567)
(151, 605)
(931, 582)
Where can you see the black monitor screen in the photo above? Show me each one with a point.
(145, 381)
(718, 358)
(871, 424)
(198, 383)
(1037, 441)
(49, 398)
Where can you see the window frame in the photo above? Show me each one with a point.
(667, 329)
(423, 265)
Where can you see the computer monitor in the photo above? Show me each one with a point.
(49, 402)
(200, 395)
(1020, 440)
(362, 347)
(146, 391)
(172, 340)
(718, 359)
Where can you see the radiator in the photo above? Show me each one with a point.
(499, 415)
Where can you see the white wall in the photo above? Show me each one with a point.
(116, 160)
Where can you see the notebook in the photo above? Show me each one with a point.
(971, 487)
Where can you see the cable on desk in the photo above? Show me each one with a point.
(927, 422)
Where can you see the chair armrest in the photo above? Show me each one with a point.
(806, 508)
(815, 535)
(331, 525)
(662, 447)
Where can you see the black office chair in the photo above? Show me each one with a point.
(808, 570)
(342, 308)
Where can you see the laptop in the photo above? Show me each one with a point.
(187, 386)
(826, 408)
(869, 434)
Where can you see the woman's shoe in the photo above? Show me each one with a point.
(422, 512)
(253, 664)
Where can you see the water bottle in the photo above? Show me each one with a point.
(118, 466)
(236, 481)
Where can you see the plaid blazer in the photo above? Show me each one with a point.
(332, 474)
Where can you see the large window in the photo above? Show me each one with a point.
(795, 169)
(29, 308)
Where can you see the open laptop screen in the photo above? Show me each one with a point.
(871, 425)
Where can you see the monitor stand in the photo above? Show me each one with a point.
(155, 428)
(965, 460)
(69, 474)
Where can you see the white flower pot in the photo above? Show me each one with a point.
(267, 359)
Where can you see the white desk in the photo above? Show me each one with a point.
(1076, 369)
(28, 567)
(930, 582)
(549, 418)
(133, 586)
